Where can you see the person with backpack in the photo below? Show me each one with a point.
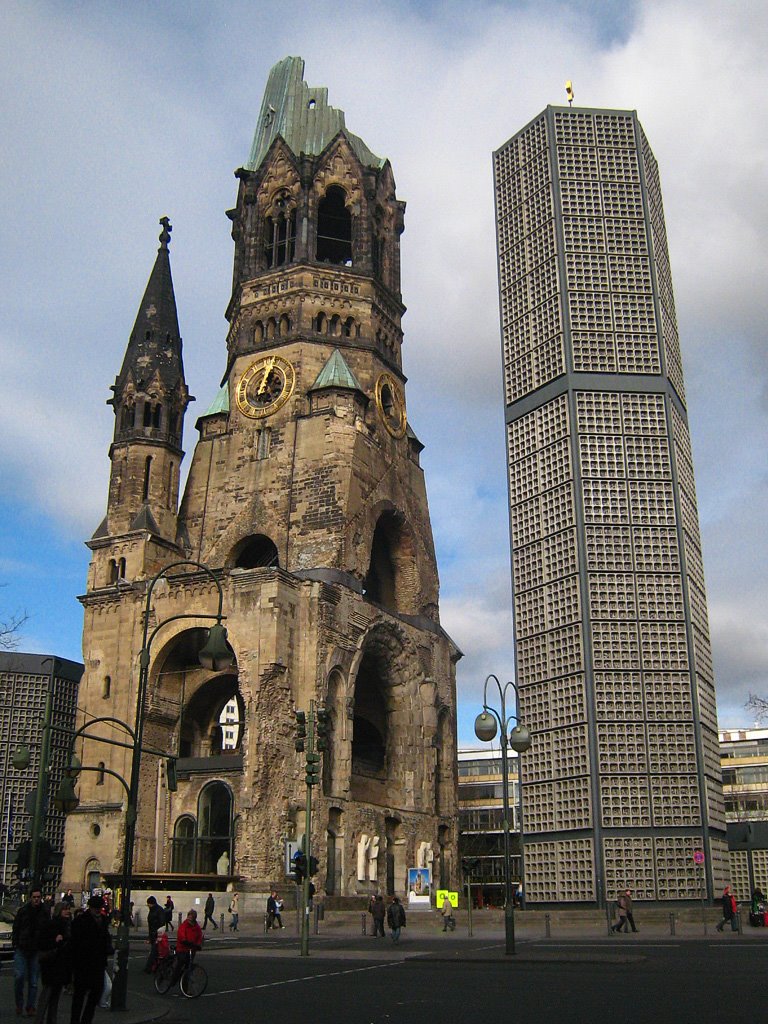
(730, 910)
(395, 918)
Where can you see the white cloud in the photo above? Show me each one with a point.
(138, 111)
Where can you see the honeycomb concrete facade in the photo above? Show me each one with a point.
(306, 499)
(26, 683)
(622, 785)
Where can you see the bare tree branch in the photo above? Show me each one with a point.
(758, 706)
(10, 631)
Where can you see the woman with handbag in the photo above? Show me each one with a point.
(55, 963)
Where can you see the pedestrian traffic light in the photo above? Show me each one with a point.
(299, 866)
(301, 730)
(323, 728)
(314, 866)
(313, 769)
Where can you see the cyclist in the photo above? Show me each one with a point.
(189, 939)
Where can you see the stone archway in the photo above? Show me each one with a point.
(386, 723)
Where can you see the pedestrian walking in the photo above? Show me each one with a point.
(234, 908)
(69, 899)
(55, 962)
(27, 929)
(91, 947)
(624, 903)
(395, 918)
(730, 909)
(155, 922)
(210, 906)
(168, 910)
(449, 921)
(378, 913)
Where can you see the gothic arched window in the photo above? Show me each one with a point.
(183, 846)
(334, 228)
(280, 233)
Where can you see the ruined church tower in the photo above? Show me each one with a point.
(306, 499)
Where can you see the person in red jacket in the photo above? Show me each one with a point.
(189, 938)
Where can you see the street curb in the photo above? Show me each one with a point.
(527, 959)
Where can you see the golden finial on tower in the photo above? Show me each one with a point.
(569, 92)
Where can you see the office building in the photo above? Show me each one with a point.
(622, 785)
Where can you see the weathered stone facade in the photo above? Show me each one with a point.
(306, 498)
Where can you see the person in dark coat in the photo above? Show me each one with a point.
(210, 906)
(729, 905)
(168, 908)
(27, 928)
(55, 962)
(155, 922)
(395, 918)
(378, 913)
(91, 947)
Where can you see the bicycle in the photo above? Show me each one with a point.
(191, 977)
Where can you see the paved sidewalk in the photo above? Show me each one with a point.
(141, 1007)
(530, 926)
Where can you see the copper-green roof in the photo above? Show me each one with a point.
(336, 374)
(220, 402)
(301, 115)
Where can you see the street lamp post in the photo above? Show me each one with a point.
(215, 654)
(486, 726)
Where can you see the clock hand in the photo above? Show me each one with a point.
(267, 371)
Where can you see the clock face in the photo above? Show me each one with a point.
(265, 386)
(391, 404)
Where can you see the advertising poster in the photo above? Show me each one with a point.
(419, 886)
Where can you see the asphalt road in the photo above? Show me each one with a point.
(711, 981)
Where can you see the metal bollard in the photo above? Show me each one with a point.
(221, 922)
(179, 921)
(547, 926)
(738, 918)
(672, 923)
(266, 923)
(317, 918)
(363, 919)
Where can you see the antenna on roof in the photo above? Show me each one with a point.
(569, 92)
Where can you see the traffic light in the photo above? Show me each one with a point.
(44, 854)
(301, 730)
(470, 865)
(299, 866)
(23, 852)
(323, 728)
(170, 775)
(314, 866)
(313, 769)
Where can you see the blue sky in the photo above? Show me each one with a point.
(115, 114)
